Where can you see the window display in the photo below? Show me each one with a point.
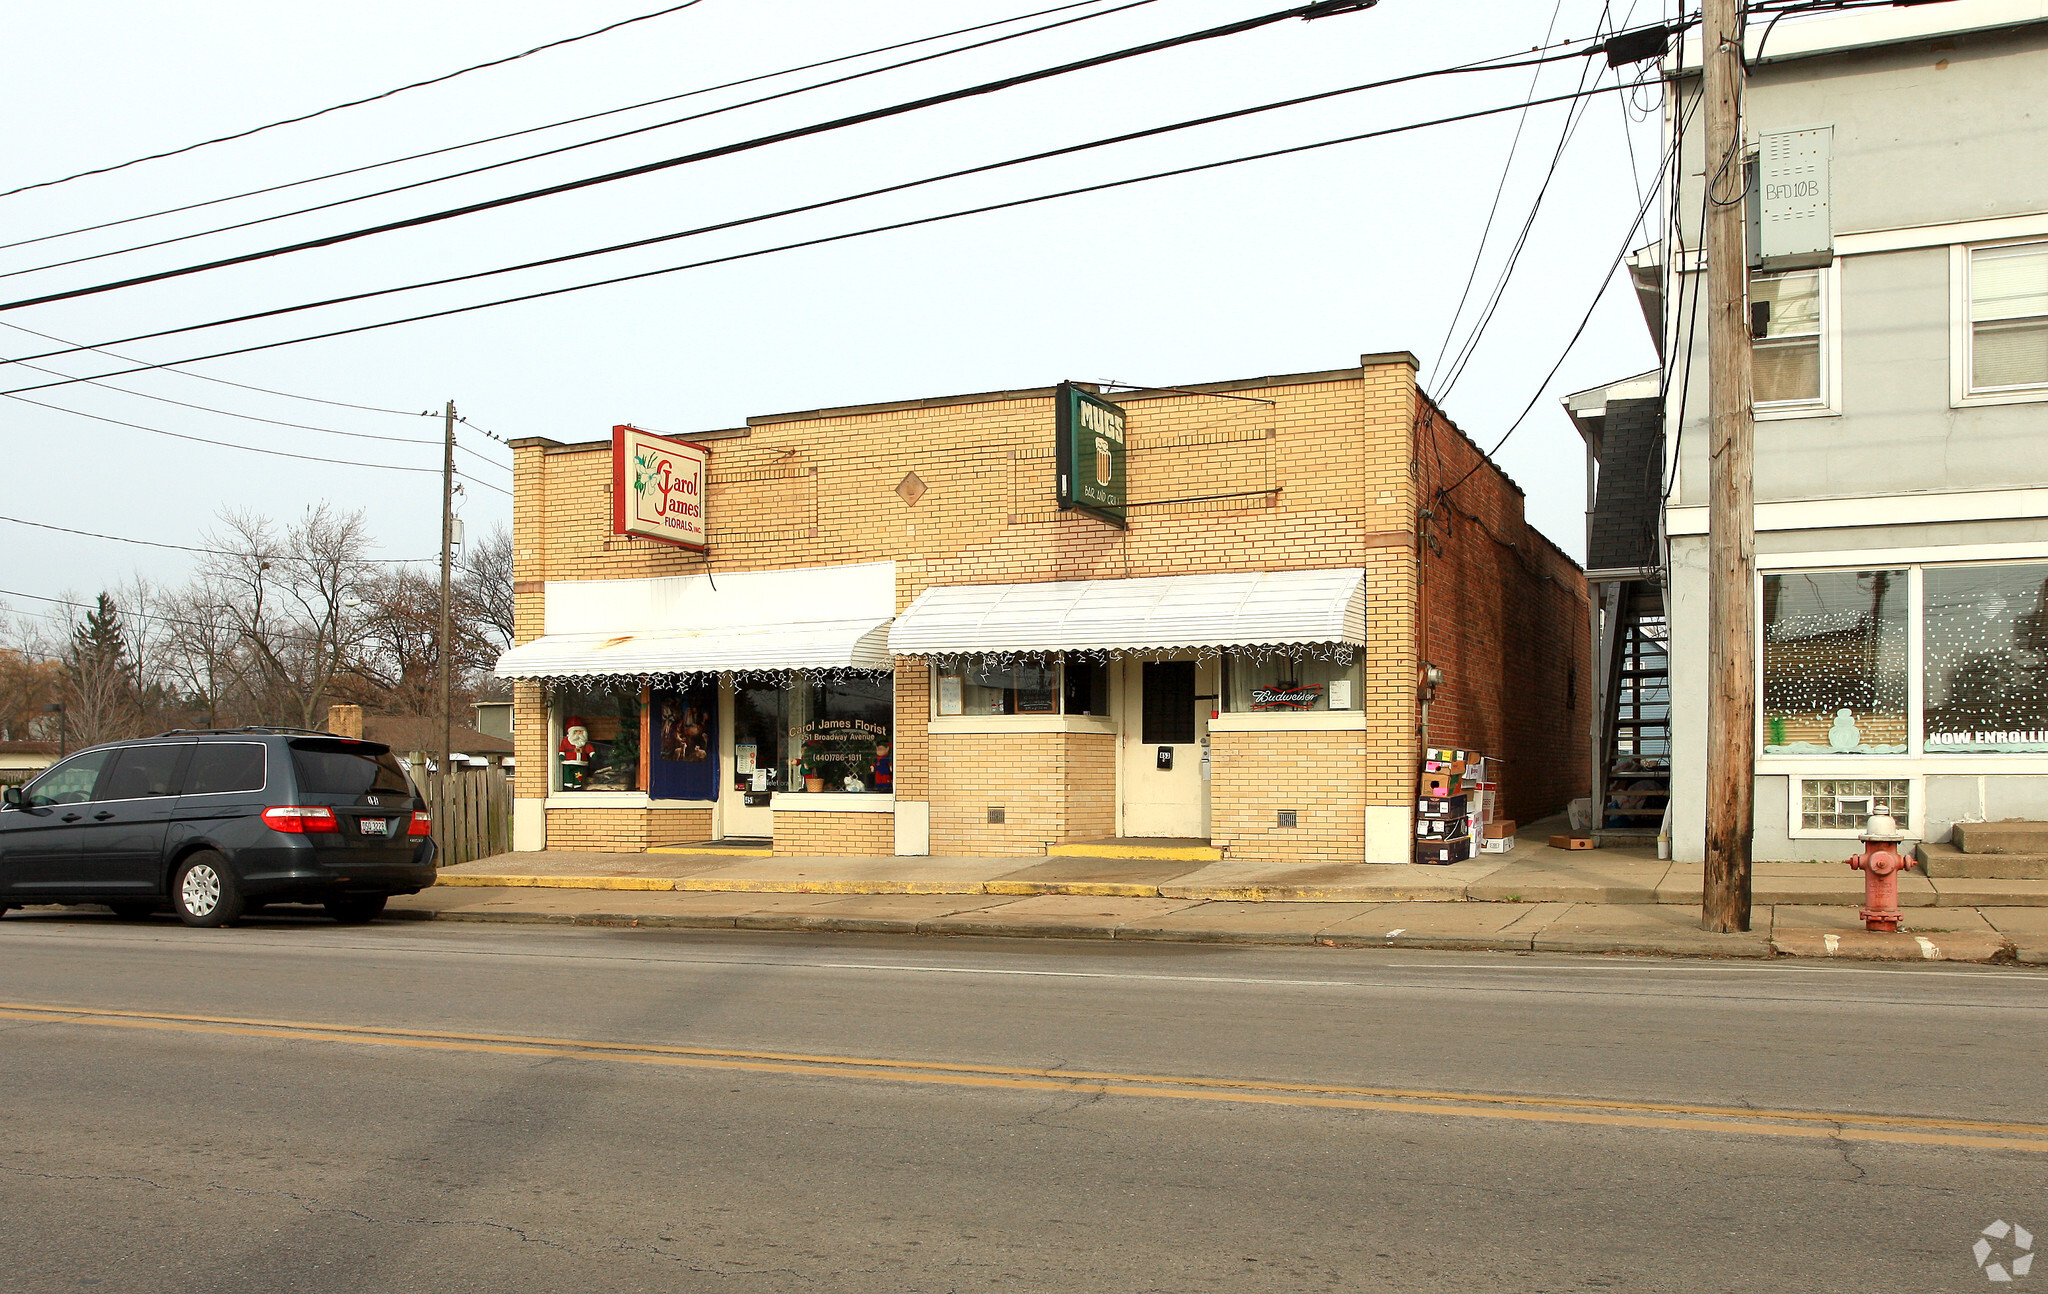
(760, 739)
(1289, 684)
(1985, 658)
(599, 748)
(842, 734)
(1835, 663)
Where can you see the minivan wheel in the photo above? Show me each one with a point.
(355, 909)
(133, 911)
(203, 893)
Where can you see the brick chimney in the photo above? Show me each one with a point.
(345, 721)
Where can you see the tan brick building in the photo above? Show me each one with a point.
(895, 640)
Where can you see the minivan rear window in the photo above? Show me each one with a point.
(347, 768)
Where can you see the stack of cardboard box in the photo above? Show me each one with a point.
(1443, 822)
(1491, 832)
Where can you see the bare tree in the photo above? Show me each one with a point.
(29, 685)
(292, 599)
(399, 655)
(204, 659)
(484, 579)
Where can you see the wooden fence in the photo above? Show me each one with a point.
(476, 821)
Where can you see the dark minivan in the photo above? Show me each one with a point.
(216, 822)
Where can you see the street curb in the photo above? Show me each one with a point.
(795, 923)
(1874, 945)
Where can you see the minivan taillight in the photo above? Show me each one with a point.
(422, 824)
(300, 819)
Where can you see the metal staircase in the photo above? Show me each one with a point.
(1633, 742)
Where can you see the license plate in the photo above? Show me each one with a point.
(375, 826)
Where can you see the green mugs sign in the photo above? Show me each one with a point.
(1091, 454)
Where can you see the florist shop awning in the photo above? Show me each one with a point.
(1163, 613)
(813, 618)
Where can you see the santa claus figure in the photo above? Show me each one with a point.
(576, 752)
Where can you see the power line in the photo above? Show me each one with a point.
(1606, 280)
(486, 484)
(858, 233)
(353, 103)
(1321, 8)
(534, 130)
(1486, 231)
(224, 444)
(274, 422)
(1574, 115)
(279, 635)
(189, 548)
(1489, 65)
(570, 148)
(311, 399)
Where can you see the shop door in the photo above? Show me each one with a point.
(757, 757)
(1165, 743)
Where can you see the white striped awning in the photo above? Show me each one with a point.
(827, 617)
(1159, 613)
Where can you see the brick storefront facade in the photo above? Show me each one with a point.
(1305, 472)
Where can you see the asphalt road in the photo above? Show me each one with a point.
(299, 1106)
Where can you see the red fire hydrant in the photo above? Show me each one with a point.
(1880, 862)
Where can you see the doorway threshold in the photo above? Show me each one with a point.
(1187, 849)
(730, 847)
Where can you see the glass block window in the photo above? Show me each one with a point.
(1985, 658)
(2009, 318)
(1788, 354)
(1845, 803)
(1835, 663)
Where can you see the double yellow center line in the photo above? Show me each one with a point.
(1815, 1124)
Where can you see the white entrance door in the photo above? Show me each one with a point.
(756, 723)
(1164, 726)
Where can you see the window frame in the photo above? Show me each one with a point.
(1060, 721)
(1829, 341)
(1916, 760)
(1963, 332)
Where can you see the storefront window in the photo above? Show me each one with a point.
(1284, 683)
(998, 685)
(1985, 658)
(599, 749)
(842, 735)
(1835, 663)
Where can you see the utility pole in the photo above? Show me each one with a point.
(1731, 533)
(447, 584)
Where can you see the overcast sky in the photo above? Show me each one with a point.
(1279, 266)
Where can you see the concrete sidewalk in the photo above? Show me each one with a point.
(1533, 873)
(1932, 934)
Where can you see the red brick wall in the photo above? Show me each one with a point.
(1504, 616)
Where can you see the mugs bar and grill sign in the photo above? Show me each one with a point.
(1090, 454)
(658, 487)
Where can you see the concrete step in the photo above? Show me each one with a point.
(1164, 848)
(1947, 860)
(2013, 836)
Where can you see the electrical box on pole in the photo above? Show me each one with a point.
(1790, 226)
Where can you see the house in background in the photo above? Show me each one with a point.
(494, 719)
(22, 760)
(417, 737)
(1899, 310)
